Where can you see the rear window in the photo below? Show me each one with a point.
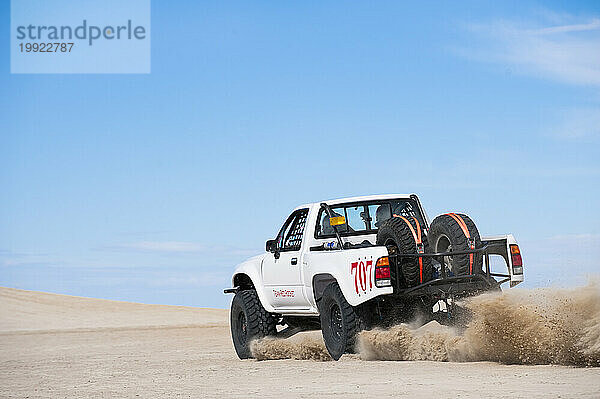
(365, 217)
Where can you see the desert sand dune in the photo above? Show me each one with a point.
(57, 346)
(30, 310)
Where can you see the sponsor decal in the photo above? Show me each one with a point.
(284, 293)
(363, 275)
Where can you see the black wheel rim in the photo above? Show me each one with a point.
(335, 322)
(243, 327)
(445, 245)
(392, 247)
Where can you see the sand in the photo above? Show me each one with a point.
(56, 346)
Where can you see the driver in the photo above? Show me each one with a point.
(327, 228)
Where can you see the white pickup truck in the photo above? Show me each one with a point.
(356, 263)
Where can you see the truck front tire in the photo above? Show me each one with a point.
(339, 322)
(249, 321)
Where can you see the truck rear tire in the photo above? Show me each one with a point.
(339, 322)
(396, 235)
(249, 321)
(446, 235)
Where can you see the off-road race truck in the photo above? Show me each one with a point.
(352, 264)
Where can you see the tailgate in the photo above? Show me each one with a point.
(506, 246)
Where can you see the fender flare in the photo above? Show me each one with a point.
(247, 275)
(319, 282)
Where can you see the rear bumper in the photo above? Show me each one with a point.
(459, 285)
(452, 286)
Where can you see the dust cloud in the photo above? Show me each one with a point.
(519, 326)
(298, 348)
(539, 326)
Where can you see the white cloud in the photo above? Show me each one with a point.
(11, 258)
(584, 238)
(578, 123)
(165, 246)
(565, 52)
(594, 25)
(182, 247)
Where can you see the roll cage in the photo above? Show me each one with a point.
(369, 219)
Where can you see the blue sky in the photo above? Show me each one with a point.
(152, 187)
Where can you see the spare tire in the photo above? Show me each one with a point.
(395, 234)
(446, 235)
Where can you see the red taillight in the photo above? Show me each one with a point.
(515, 254)
(382, 272)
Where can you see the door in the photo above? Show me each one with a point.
(282, 273)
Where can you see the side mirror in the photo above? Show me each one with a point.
(271, 245)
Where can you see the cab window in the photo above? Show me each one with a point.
(379, 213)
(356, 218)
(367, 217)
(327, 229)
(290, 235)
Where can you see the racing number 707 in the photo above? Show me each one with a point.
(362, 271)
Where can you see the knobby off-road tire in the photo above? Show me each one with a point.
(249, 321)
(398, 238)
(445, 234)
(339, 322)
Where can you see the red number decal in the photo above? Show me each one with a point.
(353, 269)
(362, 276)
(370, 273)
(362, 272)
